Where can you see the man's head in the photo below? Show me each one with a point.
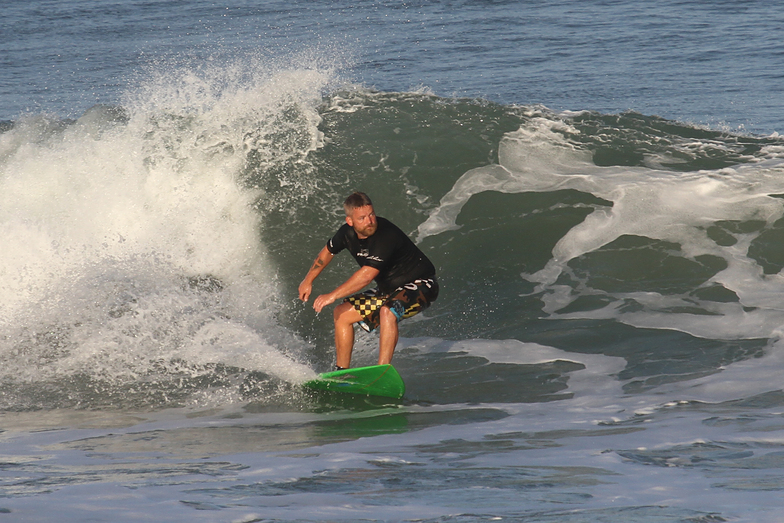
(360, 214)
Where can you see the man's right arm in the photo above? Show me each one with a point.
(321, 261)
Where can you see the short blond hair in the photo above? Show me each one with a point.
(355, 201)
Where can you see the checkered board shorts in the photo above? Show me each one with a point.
(406, 301)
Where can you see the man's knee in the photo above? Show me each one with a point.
(341, 310)
(386, 314)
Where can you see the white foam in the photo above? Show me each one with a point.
(676, 207)
(528, 161)
(103, 221)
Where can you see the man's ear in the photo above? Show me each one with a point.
(349, 221)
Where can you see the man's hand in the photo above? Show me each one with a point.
(305, 288)
(322, 301)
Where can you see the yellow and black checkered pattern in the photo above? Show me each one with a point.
(404, 302)
(366, 304)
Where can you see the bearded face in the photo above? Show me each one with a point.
(363, 220)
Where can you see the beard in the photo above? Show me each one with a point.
(367, 231)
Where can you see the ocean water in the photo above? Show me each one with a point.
(600, 185)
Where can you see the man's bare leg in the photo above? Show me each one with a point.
(345, 316)
(388, 334)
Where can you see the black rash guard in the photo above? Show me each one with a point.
(389, 250)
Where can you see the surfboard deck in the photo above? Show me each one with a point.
(376, 380)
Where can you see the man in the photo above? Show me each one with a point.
(404, 275)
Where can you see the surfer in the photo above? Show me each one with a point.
(405, 279)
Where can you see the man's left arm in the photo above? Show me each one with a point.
(358, 281)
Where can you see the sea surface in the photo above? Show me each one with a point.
(600, 184)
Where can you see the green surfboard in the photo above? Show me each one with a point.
(376, 380)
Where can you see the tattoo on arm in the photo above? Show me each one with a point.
(319, 263)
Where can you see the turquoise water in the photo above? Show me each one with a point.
(599, 185)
